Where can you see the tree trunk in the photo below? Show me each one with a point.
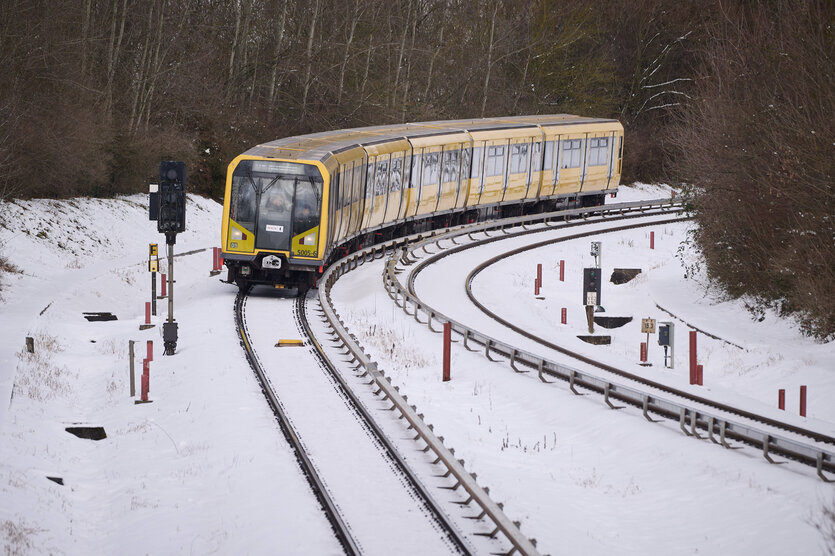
(353, 27)
(309, 69)
(489, 60)
(278, 41)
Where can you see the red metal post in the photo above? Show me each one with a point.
(562, 270)
(803, 401)
(692, 357)
(700, 376)
(214, 258)
(147, 312)
(781, 398)
(564, 315)
(652, 240)
(447, 340)
(536, 286)
(164, 286)
(146, 379)
(539, 274)
(643, 352)
(150, 350)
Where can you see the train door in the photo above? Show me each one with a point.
(535, 173)
(518, 169)
(495, 170)
(570, 164)
(450, 177)
(463, 192)
(395, 188)
(414, 183)
(430, 175)
(379, 190)
(476, 178)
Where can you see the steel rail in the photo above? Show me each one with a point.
(818, 456)
(340, 528)
(444, 455)
(434, 508)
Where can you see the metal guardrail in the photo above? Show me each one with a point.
(689, 416)
(455, 467)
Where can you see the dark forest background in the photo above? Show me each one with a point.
(732, 100)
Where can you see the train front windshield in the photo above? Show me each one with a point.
(276, 201)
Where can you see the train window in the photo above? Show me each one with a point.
(396, 182)
(356, 193)
(431, 169)
(369, 181)
(495, 160)
(571, 153)
(519, 158)
(381, 176)
(477, 162)
(307, 207)
(465, 162)
(549, 155)
(451, 166)
(536, 157)
(407, 170)
(598, 147)
(413, 181)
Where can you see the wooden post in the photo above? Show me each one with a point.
(132, 375)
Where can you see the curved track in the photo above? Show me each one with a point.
(708, 413)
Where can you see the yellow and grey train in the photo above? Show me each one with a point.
(293, 205)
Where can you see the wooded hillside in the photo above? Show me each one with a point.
(733, 98)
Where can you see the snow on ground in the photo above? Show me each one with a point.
(583, 478)
(204, 468)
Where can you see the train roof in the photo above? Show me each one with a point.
(322, 145)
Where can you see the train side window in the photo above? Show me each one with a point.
(495, 160)
(431, 169)
(519, 159)
(369, 180)
(381, 176)
(549, 155)
(571, 153)
(465, 162)
(396, 181)
(413, 181)
(598, 147)
(477, 162)
(451, 165)
(536, 157)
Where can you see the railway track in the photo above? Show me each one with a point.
(695, 413)
(366, 472)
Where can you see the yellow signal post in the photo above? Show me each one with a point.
(153, 267)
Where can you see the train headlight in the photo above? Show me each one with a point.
(238, 234)
(309, 239)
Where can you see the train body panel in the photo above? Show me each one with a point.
(291, 205)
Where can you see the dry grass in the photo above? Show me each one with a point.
(38, 377)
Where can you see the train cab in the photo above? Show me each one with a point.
(272, 235)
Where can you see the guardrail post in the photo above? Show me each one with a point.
(447, 340)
